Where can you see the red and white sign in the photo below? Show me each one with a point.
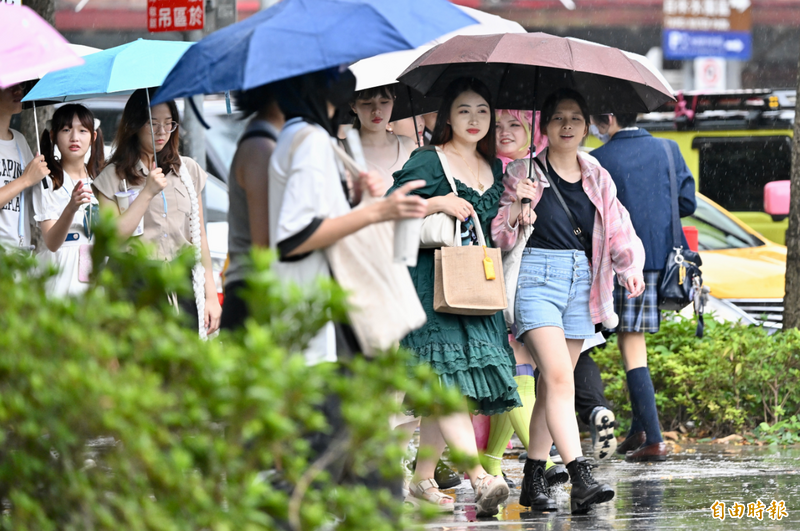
(175, 15)
(710, 74)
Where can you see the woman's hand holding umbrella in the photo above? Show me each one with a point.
(521, 209)
(156, 182)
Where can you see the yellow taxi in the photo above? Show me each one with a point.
(744, 270)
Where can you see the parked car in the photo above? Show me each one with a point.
(744, 270)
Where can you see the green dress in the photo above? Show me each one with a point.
(471, 352)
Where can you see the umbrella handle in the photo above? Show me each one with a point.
(38, 147)
(152, 134)
(153, 137)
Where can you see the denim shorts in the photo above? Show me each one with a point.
(553, 290)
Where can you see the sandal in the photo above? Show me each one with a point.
(428, 491)
(490, 491)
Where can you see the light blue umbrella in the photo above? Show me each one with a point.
(295, 37)
(119, 70)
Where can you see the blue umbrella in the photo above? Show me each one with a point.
(118, 70)
(295, 37)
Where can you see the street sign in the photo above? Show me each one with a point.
(175, 15)
(678, 44)
(697, 28)
(710, 74)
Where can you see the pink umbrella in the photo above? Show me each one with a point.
(30, 46)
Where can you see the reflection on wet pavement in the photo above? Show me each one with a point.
(674, 495)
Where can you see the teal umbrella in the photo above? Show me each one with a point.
(117, 71)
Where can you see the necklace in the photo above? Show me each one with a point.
(480, 184)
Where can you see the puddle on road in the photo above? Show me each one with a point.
(674, 495)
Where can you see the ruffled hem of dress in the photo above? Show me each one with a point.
(485, 377)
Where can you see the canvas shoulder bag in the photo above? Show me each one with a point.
(438, 229)
(383, 302)
(465, 282)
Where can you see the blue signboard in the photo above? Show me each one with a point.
(683, 44)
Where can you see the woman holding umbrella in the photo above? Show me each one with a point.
(467, 352)
(168, 186)
(63, 209)
(565, 283)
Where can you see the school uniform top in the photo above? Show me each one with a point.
(165, 226)
(306, 187)
(639, 167)
(11, 167)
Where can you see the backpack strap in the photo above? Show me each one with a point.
(256, 133)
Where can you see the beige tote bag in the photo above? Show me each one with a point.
(384, 306)
(468, 280)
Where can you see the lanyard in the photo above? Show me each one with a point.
(21, 221)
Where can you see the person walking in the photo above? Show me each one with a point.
(63, 209)
(565, 284)
(386, 153)
(19, 171)
(248, 193)
(470, 353)
(639, 166)
(168, 201)
(514, 140)
(310, 209)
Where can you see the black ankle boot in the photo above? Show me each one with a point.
(585, 490)
(534, 488)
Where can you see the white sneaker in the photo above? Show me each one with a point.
(601, 426)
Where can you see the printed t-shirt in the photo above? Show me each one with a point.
(11, 167)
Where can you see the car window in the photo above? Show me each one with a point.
(718, 231)
(222, 137)
(734, 170)
(216, 200)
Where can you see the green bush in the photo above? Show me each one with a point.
(115, 416)
(733, 379)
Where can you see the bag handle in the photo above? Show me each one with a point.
(478, 231)
(673, 197)
(576, 230)
(446, 167)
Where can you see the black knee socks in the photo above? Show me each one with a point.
(643, 404)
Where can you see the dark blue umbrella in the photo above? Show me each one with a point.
(295, 37)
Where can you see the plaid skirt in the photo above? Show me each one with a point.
(640, 314)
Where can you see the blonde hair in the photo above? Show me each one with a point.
(523, 117)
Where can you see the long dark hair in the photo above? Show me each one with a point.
(63, 117)
(443, 132)
(129, 151)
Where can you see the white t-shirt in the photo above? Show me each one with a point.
(11, 167)
(304, 189)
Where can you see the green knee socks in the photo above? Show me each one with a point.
(504, 425)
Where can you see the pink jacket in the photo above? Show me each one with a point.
(615, 246)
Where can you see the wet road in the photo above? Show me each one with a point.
(674, 495)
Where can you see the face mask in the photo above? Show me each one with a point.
(600, 136)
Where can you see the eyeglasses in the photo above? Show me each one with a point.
(166, 127)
